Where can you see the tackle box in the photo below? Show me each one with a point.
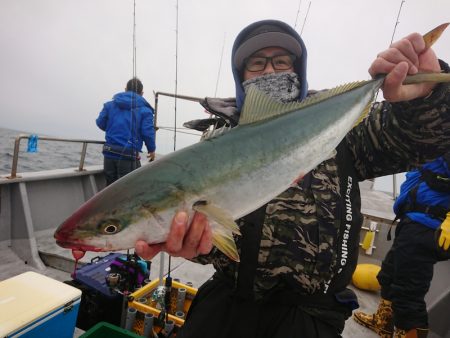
(36, 306)
(94, 274)
(131, 270)
(142, 300)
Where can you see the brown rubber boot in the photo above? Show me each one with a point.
(413, 333)
(381, 321)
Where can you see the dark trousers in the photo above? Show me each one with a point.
(216, 312)
(117, 168)
(407, 271)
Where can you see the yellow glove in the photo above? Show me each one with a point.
(444, 238)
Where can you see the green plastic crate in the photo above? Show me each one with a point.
(107, 330)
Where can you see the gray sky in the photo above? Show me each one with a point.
(61, 60)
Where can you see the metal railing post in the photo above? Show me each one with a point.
(15, 157)
(394, 186)
(83, 156)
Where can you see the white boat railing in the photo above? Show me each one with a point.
(45, 138)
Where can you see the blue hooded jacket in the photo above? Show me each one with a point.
(126, 128)
(299, 65)
(425, 195)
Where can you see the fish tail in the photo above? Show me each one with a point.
(427, 77)
(431, 37)
(224, 241)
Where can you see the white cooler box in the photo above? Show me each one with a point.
(35, 306)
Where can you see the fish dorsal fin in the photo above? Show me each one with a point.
(259, 107)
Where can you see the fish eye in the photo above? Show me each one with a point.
(109, 227)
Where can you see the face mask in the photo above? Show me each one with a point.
(282, 87)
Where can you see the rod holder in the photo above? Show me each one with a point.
(148, 325)
(181, 296)
(131, 316)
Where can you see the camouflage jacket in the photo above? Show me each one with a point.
(309, 238)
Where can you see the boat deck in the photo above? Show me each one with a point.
(182, 269)
(59, 262)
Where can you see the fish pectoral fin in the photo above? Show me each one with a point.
(224, 241)
(222, 232)
(218, 215)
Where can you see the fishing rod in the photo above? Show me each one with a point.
(298, 12)
(134, 39)
(176, 81)
(220, 66)
(392, 38)
(178, 131)
(306, 16)
(132, 139)
(368, 238)
(396, 21)
(133, 130)
(168, 282)
(394, 177)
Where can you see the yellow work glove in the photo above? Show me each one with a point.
(444, 237)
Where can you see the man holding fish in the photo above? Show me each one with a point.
(298, 251)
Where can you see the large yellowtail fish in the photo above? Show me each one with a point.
(226, 176)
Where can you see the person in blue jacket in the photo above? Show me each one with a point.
(421, 240)
(128, 122)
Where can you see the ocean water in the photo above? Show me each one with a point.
(49, 155)
(59, 155)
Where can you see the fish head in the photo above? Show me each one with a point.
(98, 226)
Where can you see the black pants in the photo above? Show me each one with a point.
(116, 168)
(215, 312)
(407, 271)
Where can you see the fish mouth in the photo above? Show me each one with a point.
(66, 238)
(76, 246)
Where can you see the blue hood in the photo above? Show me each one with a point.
(125, 99)
(425, 195)
(299, 65)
